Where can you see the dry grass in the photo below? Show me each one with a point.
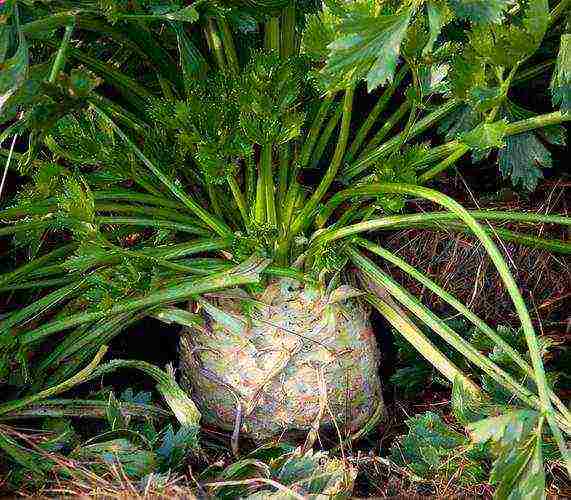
(378, 478)
(459, 263)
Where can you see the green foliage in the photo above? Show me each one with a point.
(516, 440)
(433, 450)
(204, 127)
(310, 473)
(176, 447)
(414, 373)
(484, 138)
(399, 168)
(268, 110)
(468, 72)
(506, 45)
(439, 14)
(480, 11)
(86, 141)
(369, 45)
(462, 120)
(478, 76)
(116, 10)
(14, 65)
(133, 460)
(561, 81)
(320, 31)
(526, 154)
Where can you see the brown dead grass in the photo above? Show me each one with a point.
(459, 263)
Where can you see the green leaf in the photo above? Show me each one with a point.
(13, 72)
(188, 14)
(480, 11)
(398, 168)
(315, 474)
(466, 406)
(506, 431)
(268, 105)
(561, 81)
(63, 435)
(519, 473)
(525, 154)
(134, 461)
(115, 418)
(485, 137)
(76, 200)
(178, 316)
(370, 47)
(531, 484)
(192, 61)
(320, 30)
(483, 98)
(438, 16)
(522, 159)
(431, 449)
(467, 71)
(175, 446)
(508, 44)
(81, 82)
(461, 120)
(516, 440)
(27, 458)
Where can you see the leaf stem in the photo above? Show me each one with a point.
(378, 108)
(78, 378)
(454, 150)
(250, 176)
(267, 176)
(326, 136)
(439, 327)
(228, 44)
(370, 157)
(60, 57)
(288, 42)
(460, 308)
(535, 122)
(444, 164)
(273, 34)
(215, 44)
(245, 273)
(284, 174)
(400, 321)
(239, 199)
(512, 289)
(314, 130)
(304, 218)
(260, 203)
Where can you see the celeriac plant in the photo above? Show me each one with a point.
(188, 181)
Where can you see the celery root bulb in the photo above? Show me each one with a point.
(283, 361)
